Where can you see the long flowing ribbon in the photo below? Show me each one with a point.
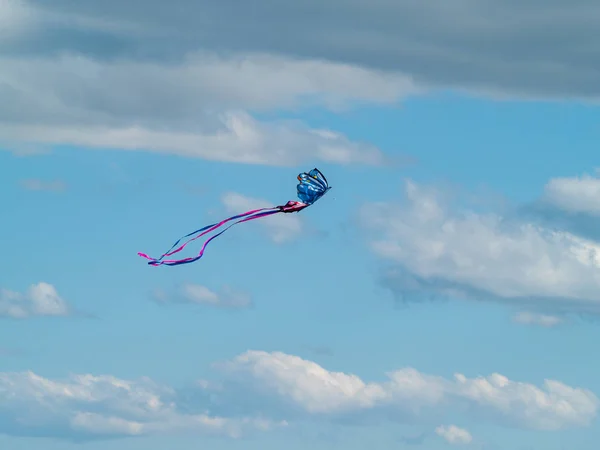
(245, 217)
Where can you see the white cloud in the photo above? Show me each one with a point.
(201, 295)
(239, 139)
(308, 386)
(453, 434)
(201, 82)
(574, 194)
(260, 391)
(16, 18)
(281, 227)
(88, 406)
(482, 255)
(194, 108)
(414, 38)
(33, 184)
(41, 299)
(532, 318)
(23, 19)
(305, 383)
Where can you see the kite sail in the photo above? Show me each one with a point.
(311, 187)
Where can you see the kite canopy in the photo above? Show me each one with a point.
(313, 185)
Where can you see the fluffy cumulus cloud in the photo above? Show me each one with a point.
(305, 386)
(568, 203)
(41, 299)
(259, 391)
(196, 294)
(281, 227)
(437, 249)
(574, 194)
(92, 407)
(453, 434)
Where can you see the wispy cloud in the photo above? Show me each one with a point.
(453, 434)
(533, 318)
(16, 19)
(432, 53)
(281, 227)
(196, 294)
(206, 115)
(33, 184)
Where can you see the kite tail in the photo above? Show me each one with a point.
(245, 217)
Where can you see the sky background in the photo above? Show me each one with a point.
(445, 292)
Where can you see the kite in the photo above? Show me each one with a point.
(311, 187)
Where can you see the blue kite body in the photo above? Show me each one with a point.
(313, 185)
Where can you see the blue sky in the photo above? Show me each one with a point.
(443, 293)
